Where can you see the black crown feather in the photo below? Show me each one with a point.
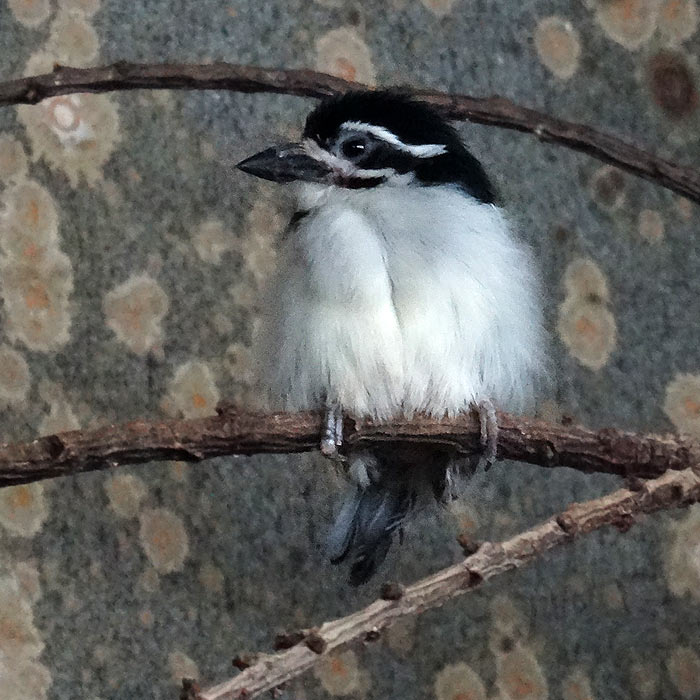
(414, 123)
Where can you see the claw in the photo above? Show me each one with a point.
(489, 431)
(332, 437)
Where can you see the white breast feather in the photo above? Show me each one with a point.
(400, 299)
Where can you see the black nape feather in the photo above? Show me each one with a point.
(413, 122)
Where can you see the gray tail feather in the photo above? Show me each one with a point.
(365, 527)
(366, 523)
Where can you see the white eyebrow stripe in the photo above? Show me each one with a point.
(343, 166)
(420, 151)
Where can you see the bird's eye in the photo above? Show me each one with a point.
(353, 148)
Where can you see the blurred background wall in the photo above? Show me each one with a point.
(131, 260)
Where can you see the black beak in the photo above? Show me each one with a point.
(286, 163)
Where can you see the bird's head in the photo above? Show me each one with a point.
(373, 139)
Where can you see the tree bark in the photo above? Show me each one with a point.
(620, 509)
(494, 111)
(234, 432)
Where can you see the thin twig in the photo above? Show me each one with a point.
(244, 433)
(620, 509)
(495, 111)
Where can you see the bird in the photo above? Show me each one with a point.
(402, 288)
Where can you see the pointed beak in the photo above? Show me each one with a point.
(286, 163)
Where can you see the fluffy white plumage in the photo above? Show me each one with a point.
(399, 299)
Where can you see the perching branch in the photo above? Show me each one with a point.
(243, 433)
(620, 509)
(495, 111)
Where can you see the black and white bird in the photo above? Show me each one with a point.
(401, 288)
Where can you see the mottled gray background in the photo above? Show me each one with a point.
(131, 259)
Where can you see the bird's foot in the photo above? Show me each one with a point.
(332, 437)
(488, 424)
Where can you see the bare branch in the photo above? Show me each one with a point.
(620, 509)
(244, 433)
(494, 111)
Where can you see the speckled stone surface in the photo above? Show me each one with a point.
(131, 257)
